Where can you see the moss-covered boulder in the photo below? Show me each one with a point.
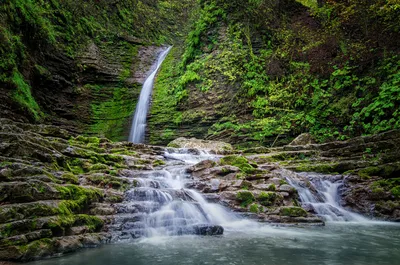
(245, 197)
(292, 211)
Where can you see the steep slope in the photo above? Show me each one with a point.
(80, 64)
(262, 72)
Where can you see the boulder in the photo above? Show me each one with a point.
(208, 230)
(303, 139)
(287, 188)
(216, 146)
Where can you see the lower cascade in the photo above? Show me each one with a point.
(320, 193)
(160, 205)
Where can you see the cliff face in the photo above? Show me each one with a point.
(58, 192)
(262, 72)
(80, 64)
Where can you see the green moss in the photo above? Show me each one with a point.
(386, 171)
(282, 182)
(33, 248)
(293, 211)
(267, 198)
(165, 117)
(255, 208)
(69, 178)
(123, 151)
(80, 196)
(97, 167)
(383, 186)
(238, 161)
(94, 223)
(23, 96)
(320, 168)
(368, 172)
(158, 163)
(245, 197)
(173, 145)
(109, 181)
(395, 191)
(111, 117)
(114, 198)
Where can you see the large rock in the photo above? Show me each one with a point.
(303, 139)
(208, 230)
(216, 146)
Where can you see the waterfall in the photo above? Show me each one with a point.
(139, 119)
(320, 193)
(160, 205)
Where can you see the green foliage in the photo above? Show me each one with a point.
(255, 208)
(245, 197)
(267, 198)
(270, 67)
(387, 185)
(164, 115)
(23, 96)
(209, 15)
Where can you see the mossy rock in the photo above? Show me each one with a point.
(292, 211)
(97, 167)
(385, 171)
(238, 161)
(255, 208)
(267, 198)
(158, 163)
(245, 197)
(69, 178)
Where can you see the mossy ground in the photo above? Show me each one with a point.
(58, 184)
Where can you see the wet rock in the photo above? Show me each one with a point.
(201, 166)
(208, 230)
(287, 188)
(228, 195)
(284, 194)
(78, 230)
(292, 211)
(276, 181)
(216, 146)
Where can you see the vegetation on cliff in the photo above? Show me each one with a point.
(261, 72)
(72, 62)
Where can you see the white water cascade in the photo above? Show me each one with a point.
(139, 119)
(160, 205)
(321, 193)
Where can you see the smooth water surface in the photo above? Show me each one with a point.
(334, 244)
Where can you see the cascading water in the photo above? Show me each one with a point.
(159, 204)
(139, 119)
(321, 193)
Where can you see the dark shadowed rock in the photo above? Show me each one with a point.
(208, 230)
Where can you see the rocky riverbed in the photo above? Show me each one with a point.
(61, 192)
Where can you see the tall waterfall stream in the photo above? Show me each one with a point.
(139, 119)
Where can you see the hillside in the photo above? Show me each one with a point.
(260, 73)
(80, 64)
